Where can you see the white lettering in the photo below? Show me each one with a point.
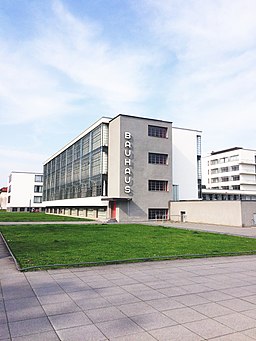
(127, 189)
(128, 152)
(127, 171)
(127, 179)
(127, 135)
(127, 162)
(127, 144)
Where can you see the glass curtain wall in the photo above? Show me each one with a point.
(80, 170)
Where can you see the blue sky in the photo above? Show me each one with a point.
(66, 63)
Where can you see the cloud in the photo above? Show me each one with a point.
(64, 64)
(212, 84)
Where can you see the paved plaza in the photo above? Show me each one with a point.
(198, 299)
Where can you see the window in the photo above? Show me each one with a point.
(235, 168)
(157, 131)
(38, 178)
(158, 213)
(237, 187)
(10, 189)
(224, 187)
(214, 180)
(38, 189)
(223, 160)
(235, 177)
(214, 162)
(158, 185)
(198, 144)
(214, 171)
(37, 200)
(157, 159)
(9, 199)
(224, 169)
(225, 178)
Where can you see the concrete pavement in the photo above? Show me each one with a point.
(199, 299)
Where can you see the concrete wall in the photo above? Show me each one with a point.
(248, 213)
(141, 171)
(208, 212)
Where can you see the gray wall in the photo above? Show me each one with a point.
(141, 171)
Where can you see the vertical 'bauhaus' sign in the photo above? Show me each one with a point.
(127, 162)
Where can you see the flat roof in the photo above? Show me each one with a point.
(141, 118)
(225, 150)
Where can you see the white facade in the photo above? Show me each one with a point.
(187, 174)
(230, 172)
(25, 190)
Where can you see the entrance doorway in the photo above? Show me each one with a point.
(112, 209)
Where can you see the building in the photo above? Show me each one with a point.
(230, 174)
(123, 169)
(25, 190)
(3, 198)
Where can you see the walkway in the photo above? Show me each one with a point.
(186, 300)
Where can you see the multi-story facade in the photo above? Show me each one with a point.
(120, 168)
(230, 174)
(25, 191)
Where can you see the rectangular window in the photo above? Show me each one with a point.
(225, 178)
(157, 159)
(234, 158)
(235, 168)
(158, 213)
(224, 169)
(37, 200)
(9, 199)
(158, 185)
(38, 178)
(157, 131)
(237, 187)
(235, 178)
(214, 162)
(214, 171)
(38, 189)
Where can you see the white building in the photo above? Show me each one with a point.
(126, 168)
(3, 198)
(25, 191)
(230, 174)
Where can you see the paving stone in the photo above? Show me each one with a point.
(208, 328)
(105, 314)
(135, 337)
(94, 303)
(212, 309)
(27, 327)
(175, 333)
(215, 296)
(165, 304)
(153, 321)
(183, 315)
(122, 298)
(233, 337)
(4, 331)
(48, 299)
(237, 304)
(47, 336)
(25, 313)
(69, 320)
(60, 308)
(191, 300)
(138, 308)
(119, 327)
(237, 321)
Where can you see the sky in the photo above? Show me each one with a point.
(66, 63)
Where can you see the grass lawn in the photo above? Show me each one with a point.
(35, 245)
(27, 216)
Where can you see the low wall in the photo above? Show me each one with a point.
(208, 212)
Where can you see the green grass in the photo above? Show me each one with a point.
(35, 245)
(26, 217)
